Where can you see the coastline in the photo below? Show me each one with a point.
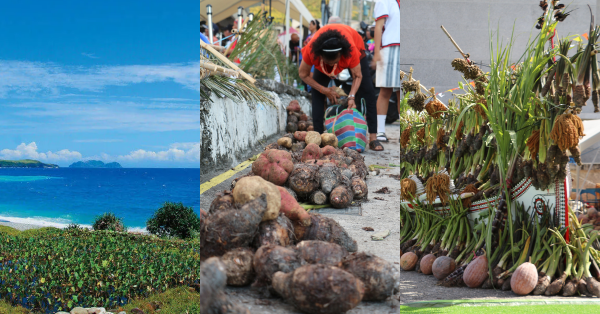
(20, 226)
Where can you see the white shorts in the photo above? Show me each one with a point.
(388, 68)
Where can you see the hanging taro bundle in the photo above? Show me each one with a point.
(438, 185)
(418, 100)
(441, 139)
(421, 135)
(405, 137)
(533, 143)
(408, 189)
(435, 108)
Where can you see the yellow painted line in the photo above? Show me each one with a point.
(224, 176)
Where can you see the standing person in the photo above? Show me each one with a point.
(333, 49)
(227, 33)
(313, 27)
(387, 58)
(294, 48)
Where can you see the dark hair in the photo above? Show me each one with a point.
(331, 39)
(317, 23)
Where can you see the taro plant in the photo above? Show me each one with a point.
(174, 220)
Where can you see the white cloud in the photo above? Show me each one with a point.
(29, 151)
(25, 77)
(179, 152)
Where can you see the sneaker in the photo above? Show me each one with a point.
(382, 138)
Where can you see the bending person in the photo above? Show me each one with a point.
(334, 48)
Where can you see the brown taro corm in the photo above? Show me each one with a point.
(278, 231)
(325, 229)
(214, 279)
(229, 229)
(318, 197)
(320, 252)
(270, 259)
(378, 275)
(341, 197)
(291, 208)
(329, 176)
(319, 289)
(303, 179)
(223, 201)
(238, 266)
(359, 187)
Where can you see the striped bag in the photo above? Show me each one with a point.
(350, 127)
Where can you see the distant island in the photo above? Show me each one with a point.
(25, 163)
(94, 164)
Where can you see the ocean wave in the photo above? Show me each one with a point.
(60, 223)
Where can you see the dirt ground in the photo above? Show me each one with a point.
(380, 214)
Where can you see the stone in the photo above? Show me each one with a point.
(97, 310)
(122, 312)
(62, 313)
(137, 311)
(79, 310)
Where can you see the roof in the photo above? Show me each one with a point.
(223, 9)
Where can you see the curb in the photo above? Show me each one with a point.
(500, 302)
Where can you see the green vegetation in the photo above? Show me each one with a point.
(108, 221)
(506, 309)
(174, 220)
(25, 163)
(173, 301)
(51, 270)
(94, 164)
(9, 231)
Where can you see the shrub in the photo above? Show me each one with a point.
(108, 221)
(175, 220)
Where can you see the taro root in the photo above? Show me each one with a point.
(302, 126)
(303, 180)
(223, 201)
(249, 188)
(291, 127)
(313, 137)
(329, 139)
(329, 177)
(556, 286)
(376, 273)
(238, 265)
(476, 272)
(582, 287)
(318, 198)
(274, 166)
(294, 106)
(312, 151)
(341, 197)
(442, 267)
(320, 252)
(325, 229)
(570, 288)
(303, 117)
(359, 187)
(310, 128)
(285, 142)
(427, 263)
(408, 261)
(593, 286)
(328, 150)
(319, 289)
(291, 208)
(524, 279)
(292, 118)
(229, 229)
(542, 284)
(278, 231)
(214, 279)
(300, 136)
(270, 259)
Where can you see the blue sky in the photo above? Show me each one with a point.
(108, 80)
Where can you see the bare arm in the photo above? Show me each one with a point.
(356, 80)
(306, 77)
(377, 40)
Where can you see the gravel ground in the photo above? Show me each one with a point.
(379, 214)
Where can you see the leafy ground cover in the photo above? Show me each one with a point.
(507, 309)
(49, 270)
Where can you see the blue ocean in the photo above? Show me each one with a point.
(58, 197)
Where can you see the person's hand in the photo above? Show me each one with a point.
(351, 104)
(376, 58)
(331, 94)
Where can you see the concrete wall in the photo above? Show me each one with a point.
(229, 130)
(428, 50)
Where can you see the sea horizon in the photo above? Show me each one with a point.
(57, 197)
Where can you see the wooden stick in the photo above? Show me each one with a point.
(217, 68)
(218, 48)
(228, 62)
(455, 44)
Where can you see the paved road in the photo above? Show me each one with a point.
(380, 214)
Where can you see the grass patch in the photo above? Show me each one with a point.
(173, 301)
(50, 270)
(507, 309)
(9, 231)
(6, 308)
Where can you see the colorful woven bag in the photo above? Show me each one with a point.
(350, 127)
